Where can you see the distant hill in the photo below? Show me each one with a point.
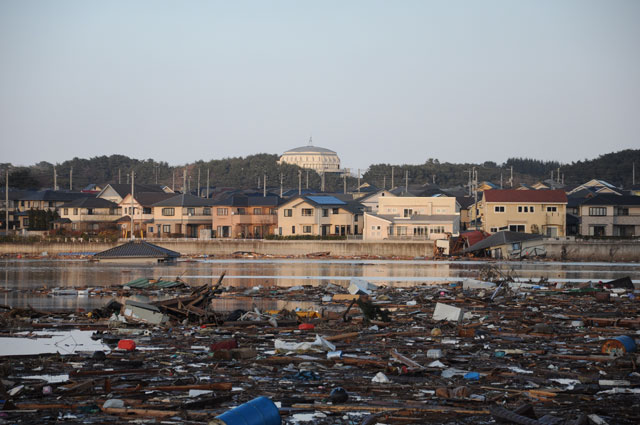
(244, 173)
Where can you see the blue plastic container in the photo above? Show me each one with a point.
(619, 345)
(259, 411)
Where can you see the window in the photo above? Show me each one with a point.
(150, 230)
(531, 209)
(306, 229)
(373, 227)
(293, 230)
(493, 229)
(257, 211)
(552, 209)
(74, 226)
(166, 228)
(622, 211)
(378, 227)
(222, 211)
(498, 208)
(336, 211)
(75, 211)
(408, 212)
(436, 229)
(89, 211)
(191, 211)
(288, 213)
(168, 211)
(66, 211)
(206, 211)
(307, 212)
(25, 222)
(241, 211)
(516, 228)
(273, 211)
(325, 212)
(598, 211)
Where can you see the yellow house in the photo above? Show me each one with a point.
(319, 215)
(185, 215)
(526, 211)
(89, 215)
(413, 217)
(141, 210)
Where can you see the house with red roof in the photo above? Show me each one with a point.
(527, 211)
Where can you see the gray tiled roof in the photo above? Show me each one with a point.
(184, 200)
(90, 203)
(138, 249)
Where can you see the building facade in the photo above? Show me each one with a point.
(610, 215)
(413, 218)
(526, 211)
(243, 216)
(319, 215)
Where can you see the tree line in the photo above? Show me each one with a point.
(248, 172)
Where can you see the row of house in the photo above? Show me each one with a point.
(595, 208)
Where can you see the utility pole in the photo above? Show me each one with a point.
(55, 178)
(199, 181)
(322, 182)
(470, 191)
(281, 179)
(344, 182)
(500, 179)
(71, 179)
(6, 203)
(118, 176)
(307, 179)
(551, 175)
(189, 185)
(132, 210)
(184, 181)
(156, 167)
(264, 187)
(406, 181)
(392, 173)
(384, 182)
(299, 182)
(511, 178)
(207, 184)
(475, 195)
(558, 175)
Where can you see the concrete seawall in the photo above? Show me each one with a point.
(227, 247)
(566, 250)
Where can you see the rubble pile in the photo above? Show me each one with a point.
(474, 351)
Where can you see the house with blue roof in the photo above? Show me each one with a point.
(319, 215)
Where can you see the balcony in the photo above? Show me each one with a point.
(257, 219)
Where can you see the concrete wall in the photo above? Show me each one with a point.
(567, 250)
(226, 247)
(583, 250)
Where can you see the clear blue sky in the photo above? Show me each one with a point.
(376, 81)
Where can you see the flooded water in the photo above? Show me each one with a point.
(30, 276)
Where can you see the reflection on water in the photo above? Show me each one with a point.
(48, 274)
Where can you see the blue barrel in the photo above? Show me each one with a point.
(619, 345)
(259, 411)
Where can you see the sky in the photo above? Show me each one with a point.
(376, 81)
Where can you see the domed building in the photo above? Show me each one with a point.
(322, 160)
